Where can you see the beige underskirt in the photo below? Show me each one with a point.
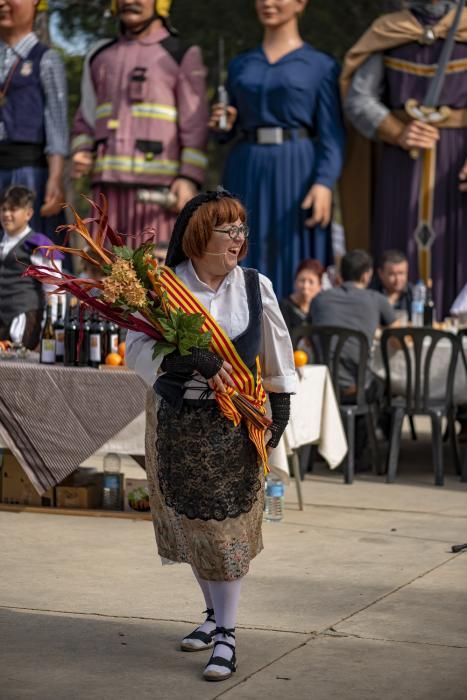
(218, 550)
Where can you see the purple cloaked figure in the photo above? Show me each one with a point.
(398, 181)
(400, 71)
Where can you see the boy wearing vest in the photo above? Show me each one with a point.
(22, 299)
(142, 123)
(33, 114)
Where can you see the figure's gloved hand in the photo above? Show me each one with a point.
(205, 362)
(280, 414)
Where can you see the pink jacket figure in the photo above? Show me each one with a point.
(143, 115)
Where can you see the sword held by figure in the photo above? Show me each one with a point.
(432, 113)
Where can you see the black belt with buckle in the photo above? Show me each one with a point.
(275, 135)
(19, 155)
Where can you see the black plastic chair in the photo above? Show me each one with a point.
(326, 345)
(416, 399)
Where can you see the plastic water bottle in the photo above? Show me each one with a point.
(418, 304)
(274, 502)
(111, 486)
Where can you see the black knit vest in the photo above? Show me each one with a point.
(18, 294)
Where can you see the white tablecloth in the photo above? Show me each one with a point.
(314, 418)
(438, 376)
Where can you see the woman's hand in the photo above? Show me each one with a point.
(319, 198)
(218, 110)
(219, 381)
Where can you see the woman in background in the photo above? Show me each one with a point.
(308, 283)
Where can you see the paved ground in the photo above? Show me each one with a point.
(356, 598)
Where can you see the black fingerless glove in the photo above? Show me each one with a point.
(280, 413)
(203, 361)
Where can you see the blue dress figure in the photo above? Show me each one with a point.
(272, 170)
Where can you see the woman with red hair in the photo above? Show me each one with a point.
(206, 478)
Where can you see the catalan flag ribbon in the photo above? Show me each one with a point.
(247, 398)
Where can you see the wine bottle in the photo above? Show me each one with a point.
(59, 330)
(71, 334)
(47, 342)
(84, 334)
(111, 344)
(97, 339)
(429, 312)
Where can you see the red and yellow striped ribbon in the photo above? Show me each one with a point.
(180, 297)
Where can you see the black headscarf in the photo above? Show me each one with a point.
(175, 254)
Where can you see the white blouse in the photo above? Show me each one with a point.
(229, 306)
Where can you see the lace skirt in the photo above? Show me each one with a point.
(206, 489)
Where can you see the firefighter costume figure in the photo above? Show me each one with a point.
(141, 127)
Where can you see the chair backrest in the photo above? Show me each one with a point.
(418, 347)
(328, 343)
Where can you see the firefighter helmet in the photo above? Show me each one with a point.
(161, 7)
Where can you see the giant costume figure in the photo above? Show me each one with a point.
(142, 120)
(288, 153)
(33, 113)
(390, 65)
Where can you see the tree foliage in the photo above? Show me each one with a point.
(330, 25)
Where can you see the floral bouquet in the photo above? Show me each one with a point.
(128, 290)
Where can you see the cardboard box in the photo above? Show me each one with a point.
(136, 499)
(88, 496)
(16, 488)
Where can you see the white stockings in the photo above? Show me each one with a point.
(225, 596)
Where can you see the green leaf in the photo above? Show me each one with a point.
(123, 252)
(140, 265)
(161, 348)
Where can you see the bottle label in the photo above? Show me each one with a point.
(275, 489)
(95, 352)
(60, 342)
(48, 351)
(113, 342)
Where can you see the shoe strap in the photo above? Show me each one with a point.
(210, 614)
(231, 664)
(226, 632)
(226, 644)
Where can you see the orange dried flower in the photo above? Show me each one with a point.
(123, 284)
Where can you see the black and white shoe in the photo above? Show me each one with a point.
(199, 640)
(218, 667)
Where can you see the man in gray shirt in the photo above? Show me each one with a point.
(354, 307)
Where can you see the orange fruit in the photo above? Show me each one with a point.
(300, 358)
(113, 358)
(121, 349)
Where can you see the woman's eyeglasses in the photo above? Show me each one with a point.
(235, 231)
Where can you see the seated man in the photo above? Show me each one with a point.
(22, 299)
(392, 280)
(355, 307)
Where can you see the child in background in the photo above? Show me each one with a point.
(22, 299)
